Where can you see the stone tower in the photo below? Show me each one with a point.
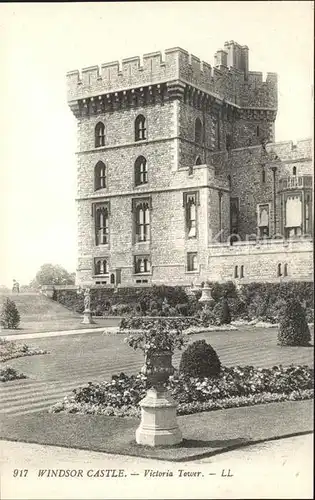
(154, 170)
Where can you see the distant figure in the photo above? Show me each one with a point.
(16, 287)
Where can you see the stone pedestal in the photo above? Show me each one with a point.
(158, 425)
(87, 318)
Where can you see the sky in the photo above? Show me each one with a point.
(40, 42)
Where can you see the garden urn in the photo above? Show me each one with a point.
(206, 297)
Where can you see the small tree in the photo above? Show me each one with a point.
(224, 316)
(10, 317)
(293, 327)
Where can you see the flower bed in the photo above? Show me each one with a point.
(10, 350)
(172, 323)
(235, 386)
(8, 373)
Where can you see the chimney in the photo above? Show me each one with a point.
(220, 58)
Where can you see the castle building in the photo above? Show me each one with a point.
(179, 178)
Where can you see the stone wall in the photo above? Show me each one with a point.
(261, 260)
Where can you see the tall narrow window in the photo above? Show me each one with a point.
(140, 128)
(99, 135)
(263, 175)
(101, 266)
(142, 264)
(294, 171)
(142, 221)
(285, 272)
(192, 261)
(141, 171)
(279, 272)
(190, 204)
(242, 272)
(101, 225)
(236, 272)
(99, 176)
(234, 215)
(198, 131)
(257, 131)
(263, 220)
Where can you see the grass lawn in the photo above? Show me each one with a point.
(204, 434)
(96, 356)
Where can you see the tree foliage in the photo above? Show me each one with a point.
(10, 316)
(50, 274)
(293, 327)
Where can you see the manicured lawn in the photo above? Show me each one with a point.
(96, 356)
(59, 324)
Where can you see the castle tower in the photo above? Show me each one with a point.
(153, 160)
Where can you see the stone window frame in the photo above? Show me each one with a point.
(105, 207)
(198, 160)
(99, 135)
(259, 233)
(192, 265)
(137, 204)
(104, 262)
(140, 171)
(100, 175)
(281, 274)
(140, 128)
(189, 198)
(146, 258)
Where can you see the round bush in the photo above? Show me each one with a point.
(200, 360)
(293, 327)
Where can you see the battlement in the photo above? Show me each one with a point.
(229, 79)
(285, 151)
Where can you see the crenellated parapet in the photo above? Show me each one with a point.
(229, 80)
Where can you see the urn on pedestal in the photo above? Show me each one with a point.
(158, 425)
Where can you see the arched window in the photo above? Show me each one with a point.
(141, 171)
(99, 176)
(236, 272)
(140, 128)
(279, 273)
(191, 216)
(101, 266)
(143, 222)
(101, 225)
(142, 264)
(257, 131)
(294, 171)
(198, 160)
(198, 131)
(99, 135)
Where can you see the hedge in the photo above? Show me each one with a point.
(249, 301)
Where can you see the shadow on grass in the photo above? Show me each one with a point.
(197, 443)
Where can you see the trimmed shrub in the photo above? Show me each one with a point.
(224, 312)
(293, 327)
(10, 316)
(200, 360)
